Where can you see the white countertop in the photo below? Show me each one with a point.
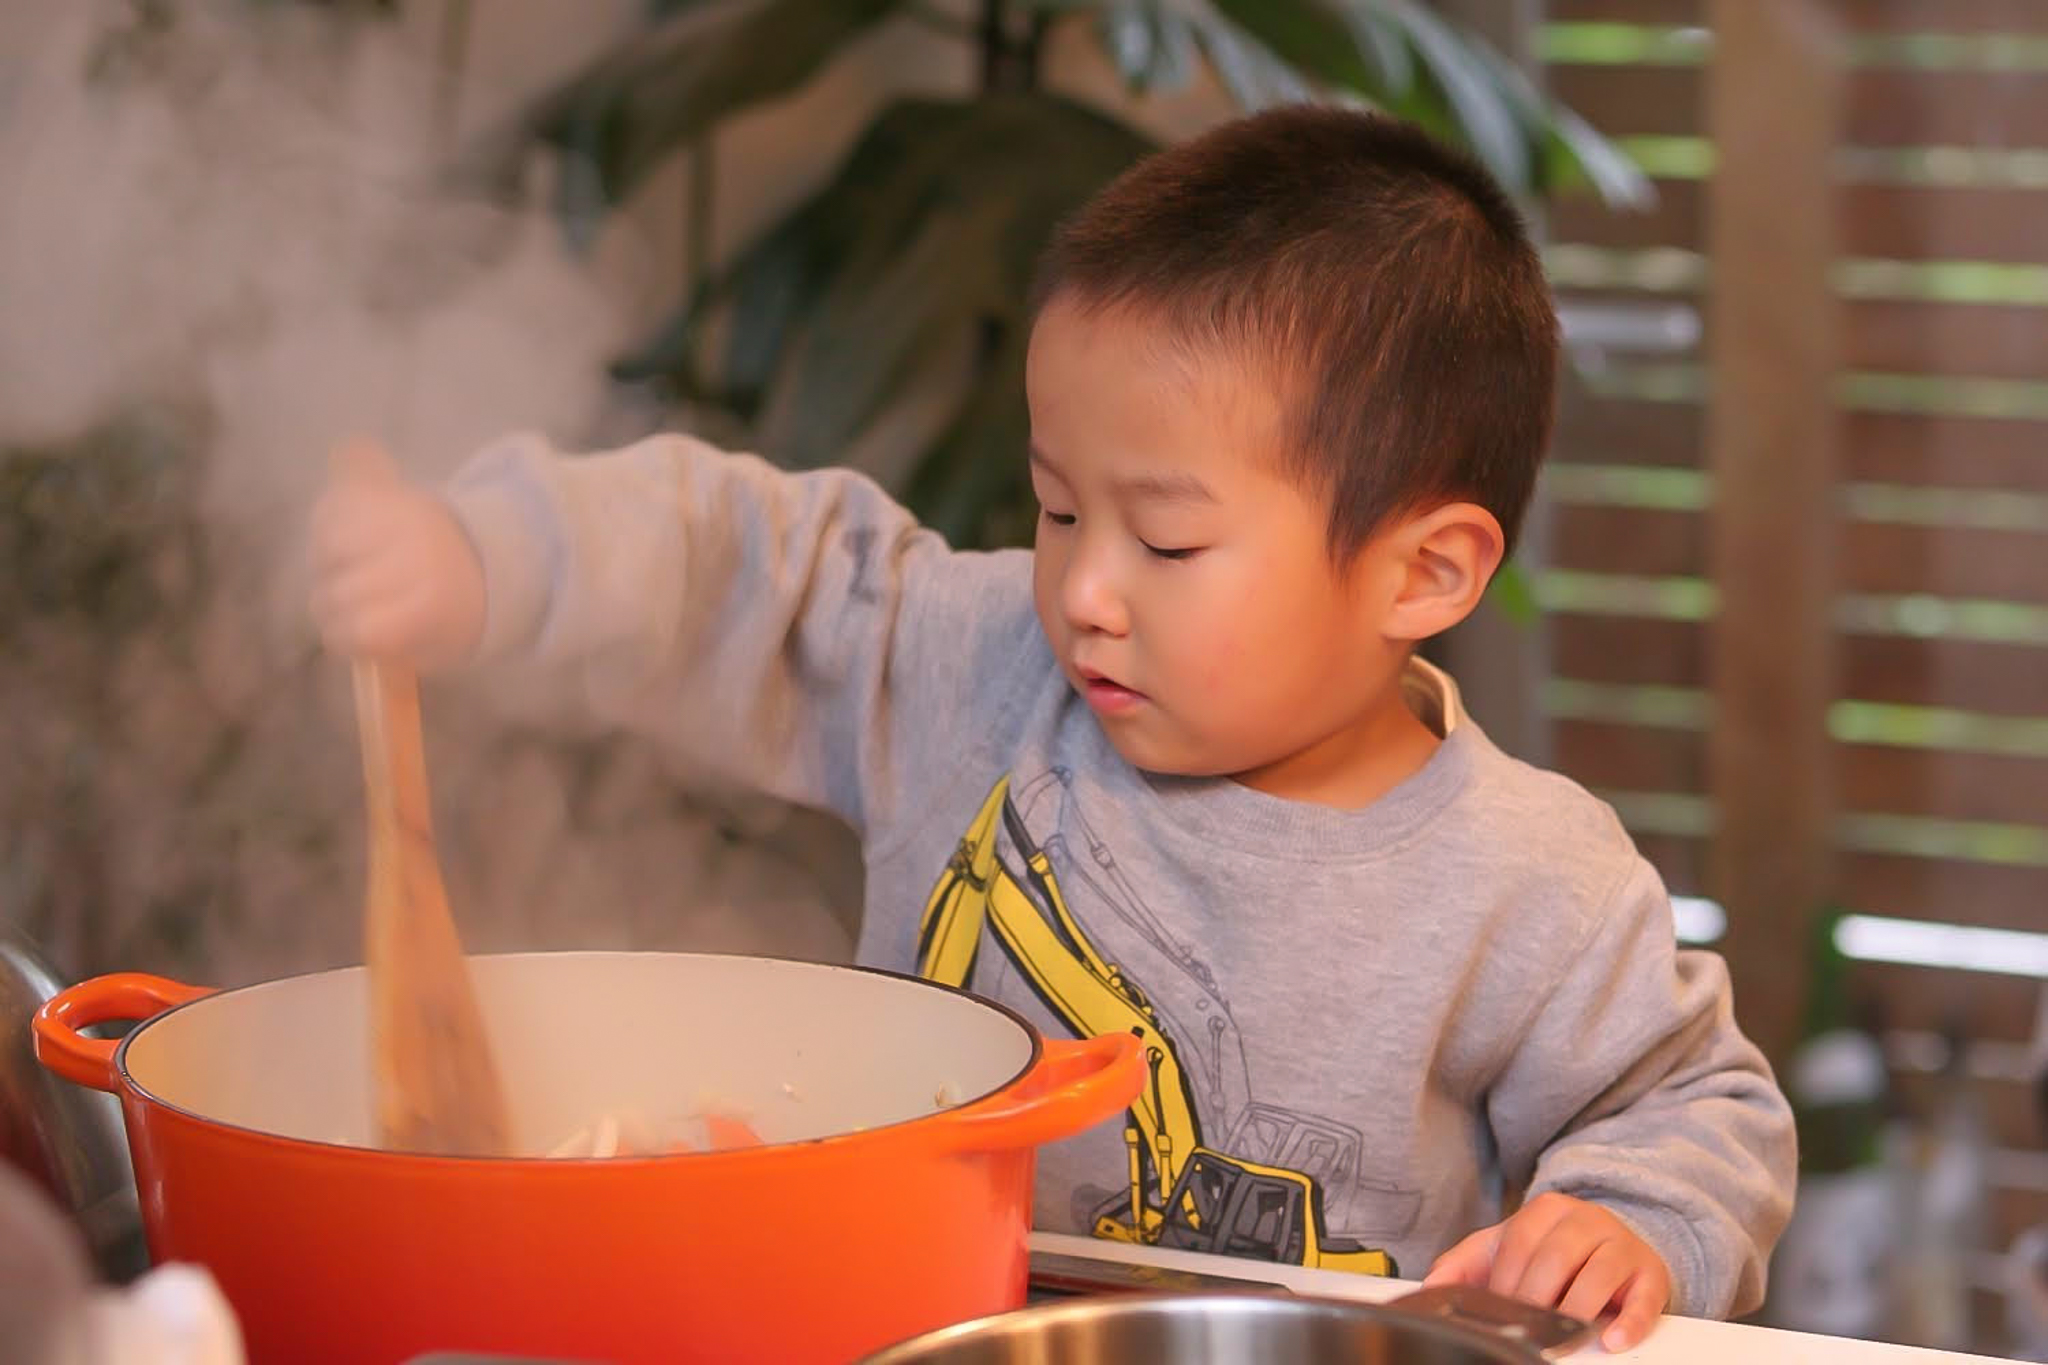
(1675, 1341)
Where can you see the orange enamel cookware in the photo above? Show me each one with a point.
(891, 1193)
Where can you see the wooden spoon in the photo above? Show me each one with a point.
(435, 1083)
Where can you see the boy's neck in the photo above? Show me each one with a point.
(1357, 766)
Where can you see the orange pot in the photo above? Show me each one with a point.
(892, 1194)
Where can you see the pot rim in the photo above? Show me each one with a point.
(141, 1093)
(931, 1346)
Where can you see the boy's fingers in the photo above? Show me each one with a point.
(1641, 1302)
(1522, 1235)
(359, 460)
(344, 629)
(366, 623)
(1554, 1264)
(1599, 1280)
(361, 587)
(380, 632)
(1469, 1262)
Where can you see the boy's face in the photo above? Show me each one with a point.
(1183, 582)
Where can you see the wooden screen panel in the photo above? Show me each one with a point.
(1613, 755)
(1903, 336)
(1937, 784)
(1957, 106)
(1985, 1005)
(1680, 860)
(1945, 222)
(1881, 221)
(1889, 336)
(1689, 13)
(1945, 784)
(1875, 557)
(1967, 675)
(1884, 106)
(1634, 101)
(1628, 540)
(1992, 895)
(1936, 449)
(1628, 651)
(1911, 336)
(1942, 16)
(1677, 218)
(1593, 430)
(1889, 557)
(1619, 756)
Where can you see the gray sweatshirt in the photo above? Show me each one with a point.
(1367, 1027)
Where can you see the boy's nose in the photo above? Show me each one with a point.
(1091, 602)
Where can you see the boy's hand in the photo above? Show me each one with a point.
(394, 575)
(1564, 1253)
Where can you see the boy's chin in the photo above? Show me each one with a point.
(1161, 760)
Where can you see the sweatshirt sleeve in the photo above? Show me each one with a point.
(799, 634)
(1635, 1090)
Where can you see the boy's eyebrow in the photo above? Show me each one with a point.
(1178, 486)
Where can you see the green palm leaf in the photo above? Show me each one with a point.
(921, 248)
(1397, 55)
(942, 256)
(623, 116)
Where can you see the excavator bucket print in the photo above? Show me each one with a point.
(1209, 1167)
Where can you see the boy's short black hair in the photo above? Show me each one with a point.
(1387, 277)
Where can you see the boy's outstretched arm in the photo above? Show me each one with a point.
(776, 629)
(1640, 1120)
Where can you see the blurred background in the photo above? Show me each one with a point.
(1784, 601)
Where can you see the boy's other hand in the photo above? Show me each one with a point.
(1564, 1253)
(394, 575)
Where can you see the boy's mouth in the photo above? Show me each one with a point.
(1105, 694)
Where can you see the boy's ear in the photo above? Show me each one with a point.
(1442, 561)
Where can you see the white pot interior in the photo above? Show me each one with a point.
(797, 1050)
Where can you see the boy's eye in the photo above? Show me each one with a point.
(1059, 518)
(1162, 552)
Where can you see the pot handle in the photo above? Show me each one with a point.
(1080, 1083)
(124, 995)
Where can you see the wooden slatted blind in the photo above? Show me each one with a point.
(1940, 592)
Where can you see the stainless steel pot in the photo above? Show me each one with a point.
(1429, 1327)
(67, 1140)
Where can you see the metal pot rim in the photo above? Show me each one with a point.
(1488, 1344)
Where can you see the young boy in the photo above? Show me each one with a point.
(1289, 387)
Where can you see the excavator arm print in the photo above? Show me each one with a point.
(1183, 1193)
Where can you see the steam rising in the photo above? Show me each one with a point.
(228, 240)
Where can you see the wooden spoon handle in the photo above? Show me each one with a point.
(394, 752)
(435, 1082)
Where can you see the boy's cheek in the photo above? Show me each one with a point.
(1230, 659)
(1045, 598)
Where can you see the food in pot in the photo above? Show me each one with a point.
(630, 1133)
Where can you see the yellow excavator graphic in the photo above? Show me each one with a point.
(1183, 1195)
